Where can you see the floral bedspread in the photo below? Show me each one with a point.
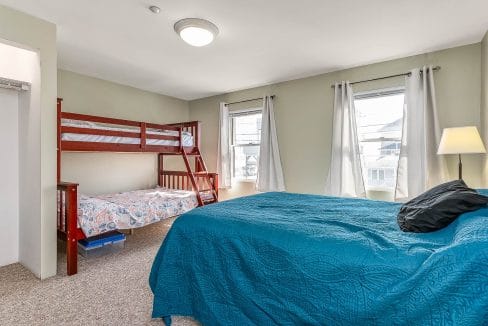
(133, 209)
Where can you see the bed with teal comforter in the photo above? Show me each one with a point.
(292, 259)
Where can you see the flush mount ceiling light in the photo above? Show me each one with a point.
(196, 31)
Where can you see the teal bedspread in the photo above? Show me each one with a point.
(291, 259)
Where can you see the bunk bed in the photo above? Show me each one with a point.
(88, 133)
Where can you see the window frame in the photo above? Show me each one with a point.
(232, 138)
(382, 92)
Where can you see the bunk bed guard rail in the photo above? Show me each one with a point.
(141, 136)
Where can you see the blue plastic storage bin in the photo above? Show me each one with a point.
(102, 244)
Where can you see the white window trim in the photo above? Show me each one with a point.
(233, 114)
(372, 94)
(379, 92)
(247, 111)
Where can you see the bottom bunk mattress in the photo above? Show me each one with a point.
(132, 209)
(290, 259)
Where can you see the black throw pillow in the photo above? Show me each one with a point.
(438, 207)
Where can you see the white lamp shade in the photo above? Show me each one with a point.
(461, 140)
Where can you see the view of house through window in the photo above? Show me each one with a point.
(245, 142)
(379, 119)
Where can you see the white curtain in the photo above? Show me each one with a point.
(419, 166)
(270, 173)
(223, 150)
(345, 177)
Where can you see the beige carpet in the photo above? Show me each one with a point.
(109, 290)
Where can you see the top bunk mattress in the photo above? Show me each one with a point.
(187, 137)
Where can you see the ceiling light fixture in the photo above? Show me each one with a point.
(196, 31)
(155, 9)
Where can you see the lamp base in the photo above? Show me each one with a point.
(460, 168)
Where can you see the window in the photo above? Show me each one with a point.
(245, 142)
(379, 118)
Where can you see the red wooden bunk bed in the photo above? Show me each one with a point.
(100, 134)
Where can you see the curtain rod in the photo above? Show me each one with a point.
(386, 77)
(249, 100)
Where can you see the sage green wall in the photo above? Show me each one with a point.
(37, 235)
(112, 172)
(484, 104)
(303, 110)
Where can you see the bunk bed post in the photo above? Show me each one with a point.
(180, 136)
(143, 136)
(71, 229)
(197, 136)
(58, 149)
(161, 170)
(216, 184)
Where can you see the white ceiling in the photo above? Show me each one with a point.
(260, 41)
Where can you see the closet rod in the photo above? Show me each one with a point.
(386, 77)
(249, 100)
(14, 84)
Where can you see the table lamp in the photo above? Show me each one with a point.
(461, 140)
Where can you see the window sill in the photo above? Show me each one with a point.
(244, 181)
(380, 189)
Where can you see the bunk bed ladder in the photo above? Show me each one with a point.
(210, 196)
